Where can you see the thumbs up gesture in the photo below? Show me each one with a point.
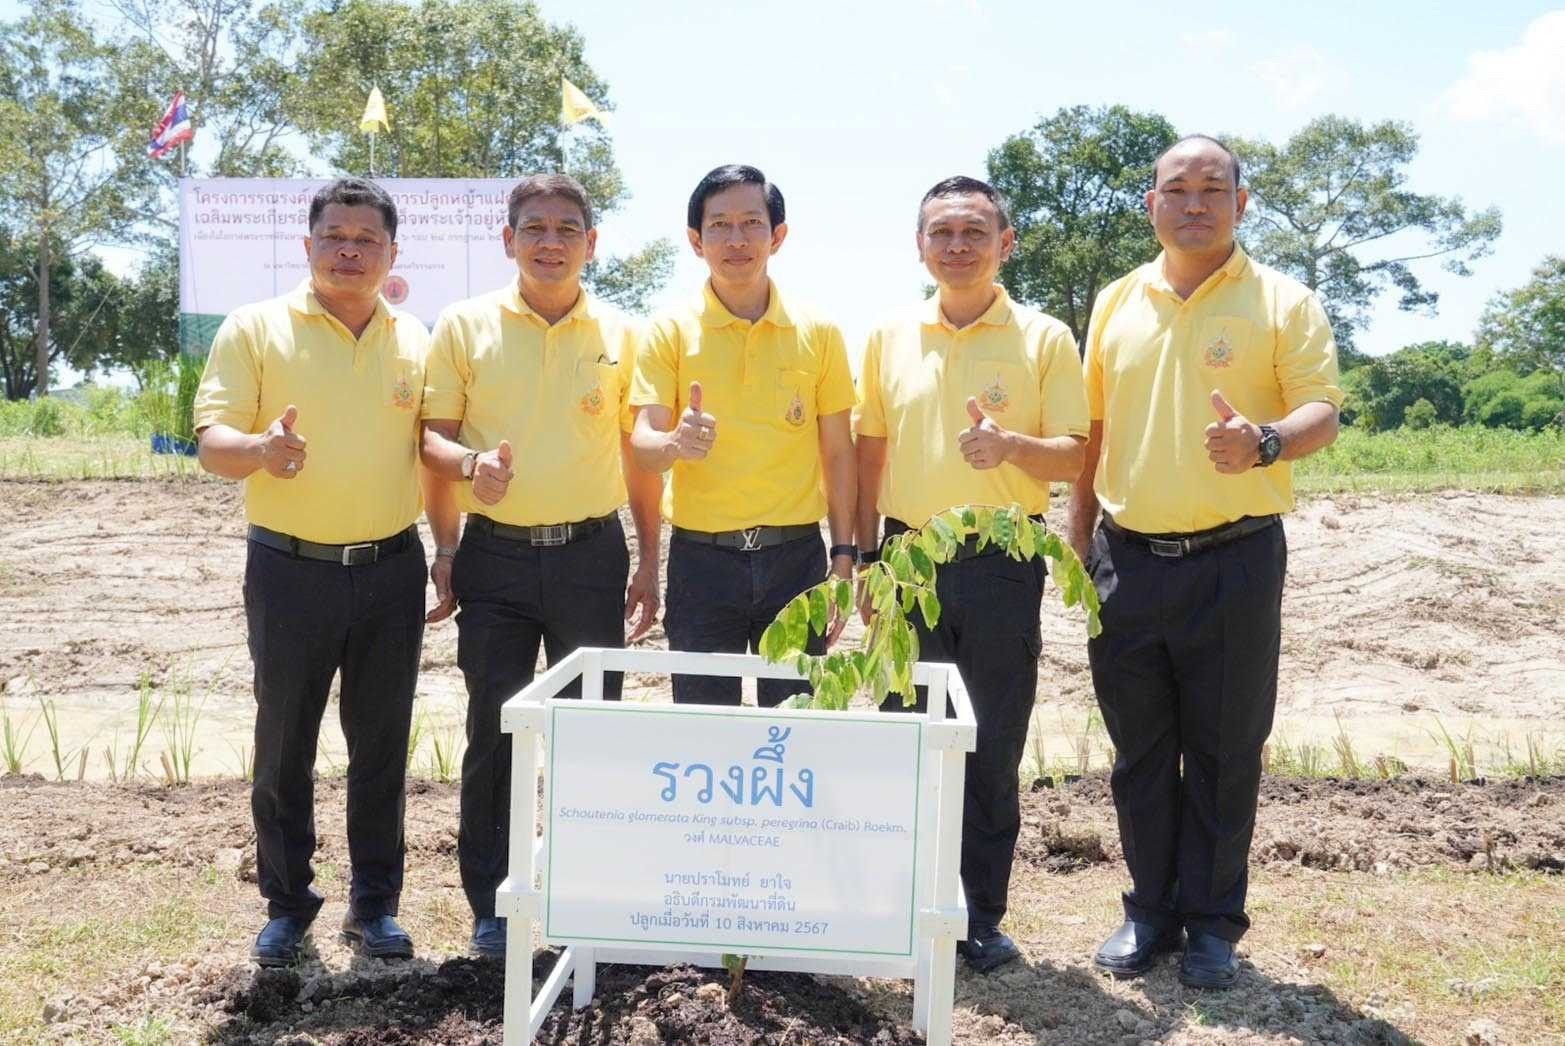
(985, 445)
(492, 474)
(696, 432)
(1233, 442)
(282, 449)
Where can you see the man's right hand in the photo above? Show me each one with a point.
(693, 437)
(282, 449)
(1080, 542)
(440, 575)
(492, 474)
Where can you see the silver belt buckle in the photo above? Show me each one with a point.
(558, 534)
(752, 540)
(349, 550)
(1165, 548)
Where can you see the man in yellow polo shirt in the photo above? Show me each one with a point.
(1206, 375)
(973, 399)
(745, 395)
(312, 399)
(525, 419)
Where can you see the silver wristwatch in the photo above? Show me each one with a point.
(469, 462)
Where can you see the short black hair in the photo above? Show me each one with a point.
(962, 185)
(561, 185)
(1232, 157)
(355, 192)
(726, 177)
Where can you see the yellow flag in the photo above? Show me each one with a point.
(575, 106)
(374, 118)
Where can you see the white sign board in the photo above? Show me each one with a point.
(241, 240)
(671, 827)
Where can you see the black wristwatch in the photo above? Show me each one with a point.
(851, 551)
(1271, 446)
(868, 556)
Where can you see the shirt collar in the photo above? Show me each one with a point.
(302, 300)
(715, 314)
(511, 298)
(998, 314)
(1236, 265)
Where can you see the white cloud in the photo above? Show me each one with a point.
(1524, 84)
(1207, 40)
(1299, 76)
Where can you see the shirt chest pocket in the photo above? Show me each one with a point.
(403, 381)
(1226, 347)
(597, 389)
(1005, 391)
(794, 403)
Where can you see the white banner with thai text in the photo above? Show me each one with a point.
(242, 240)
(788, 832)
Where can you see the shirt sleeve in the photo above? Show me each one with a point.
(1306, 357)
(871, 414)
(1092, 359)
(834, 391)
(230, 389)
(1061, 387)
(656, 370)
(446, 372)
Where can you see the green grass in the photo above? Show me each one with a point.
(1440, 458)
(90, 457)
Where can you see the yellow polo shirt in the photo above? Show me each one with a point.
(767, 383)
(557, 392)
(1152, 362)
(919, 371)
(358, 401)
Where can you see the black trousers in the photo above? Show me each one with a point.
(989, 607)
(720, 600)
(307, 621)
(1186, 676)
(514, 596)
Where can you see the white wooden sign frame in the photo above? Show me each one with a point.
(942, 910)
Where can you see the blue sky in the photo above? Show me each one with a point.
(854, 109)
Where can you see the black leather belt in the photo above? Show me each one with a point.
(966, 550)
(1177, 546)
(752, 539)
(359, 554)
(541, 537)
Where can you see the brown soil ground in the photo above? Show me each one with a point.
(148, 892)
(1416, 910)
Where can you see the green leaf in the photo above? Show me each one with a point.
(773, 645)
(922, 563)
(929, 606)
(1027, 539)
(820, 611)
(844, 597)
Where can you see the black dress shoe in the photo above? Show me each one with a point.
(1209, 962)
(1133, 948)
(987, 948)
(279, 941)
(488, 937)
(378, 937)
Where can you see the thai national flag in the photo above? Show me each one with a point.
(174, 129)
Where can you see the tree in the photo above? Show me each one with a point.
(1331, 207)
(72, 170)
(1527, 325)
(86, 301)
(1380, 392)
(234, 59)
(472, 88)
(1505, 399)
(1076, 185)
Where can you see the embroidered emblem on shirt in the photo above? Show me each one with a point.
(402, 394)
(994, 398)
(1220, 353)
(795, 413)
(592, 402)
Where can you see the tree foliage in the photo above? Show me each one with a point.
(1332, 208)
(900, 582)
(1076, 184)
(1527, 325)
